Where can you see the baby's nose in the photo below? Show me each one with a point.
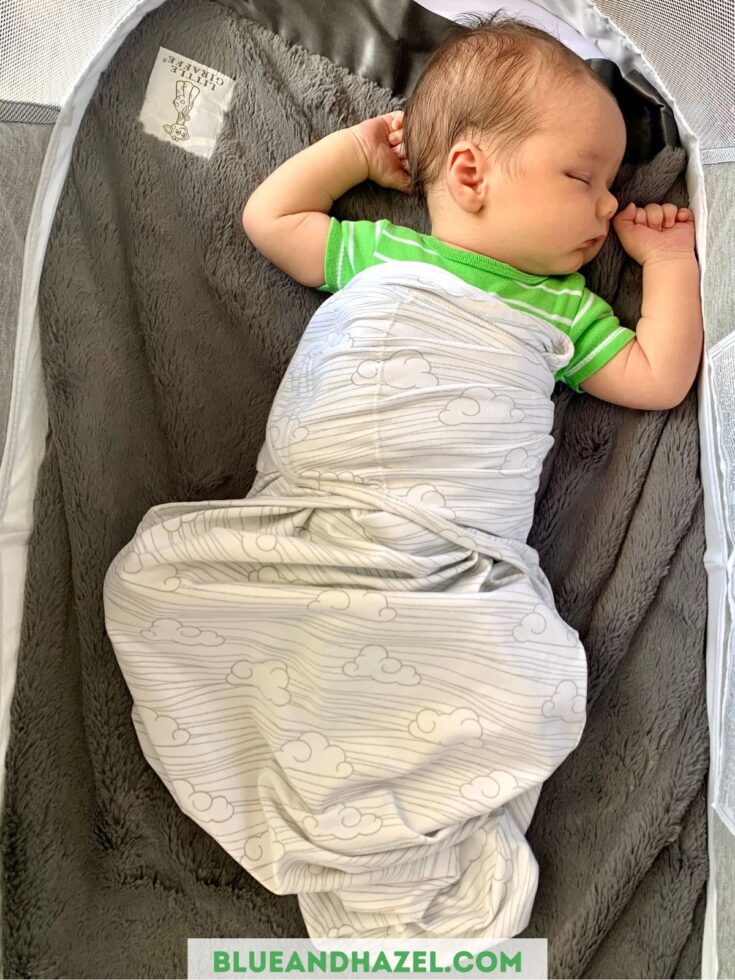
(608, 205)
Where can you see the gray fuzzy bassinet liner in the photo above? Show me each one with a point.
(164, 338)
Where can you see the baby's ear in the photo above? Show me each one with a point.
(466, 174)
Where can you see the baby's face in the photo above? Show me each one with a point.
(541, 221)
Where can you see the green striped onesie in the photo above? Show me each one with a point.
(563, 301)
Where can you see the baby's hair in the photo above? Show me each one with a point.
(483, 82)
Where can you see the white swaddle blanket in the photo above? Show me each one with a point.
(355, 679)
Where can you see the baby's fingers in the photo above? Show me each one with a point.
(670, 212)
(401, 155)
(626, 214)
(651, 215)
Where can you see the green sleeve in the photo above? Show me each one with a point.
(598, 336)
(350, 249)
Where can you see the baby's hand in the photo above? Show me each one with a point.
(657, 230)
(381, 140)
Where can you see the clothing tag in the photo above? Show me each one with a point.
(185, 102)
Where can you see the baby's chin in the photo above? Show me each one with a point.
(574, 260)
(564, 265)
(560, 265)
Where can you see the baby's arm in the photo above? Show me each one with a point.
(287, 216)
(657, 369)
(670, 330)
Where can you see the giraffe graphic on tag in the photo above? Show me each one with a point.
(186, 93)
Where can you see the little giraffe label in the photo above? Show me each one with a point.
(185, 102)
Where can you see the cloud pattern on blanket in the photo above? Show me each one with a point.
(356, 679)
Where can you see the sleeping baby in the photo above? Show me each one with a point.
(362, 660)
(426, 386)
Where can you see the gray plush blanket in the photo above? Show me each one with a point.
(164, 338)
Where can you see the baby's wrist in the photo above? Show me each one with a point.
(361, 150)
(337, 164)
(657, 257)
